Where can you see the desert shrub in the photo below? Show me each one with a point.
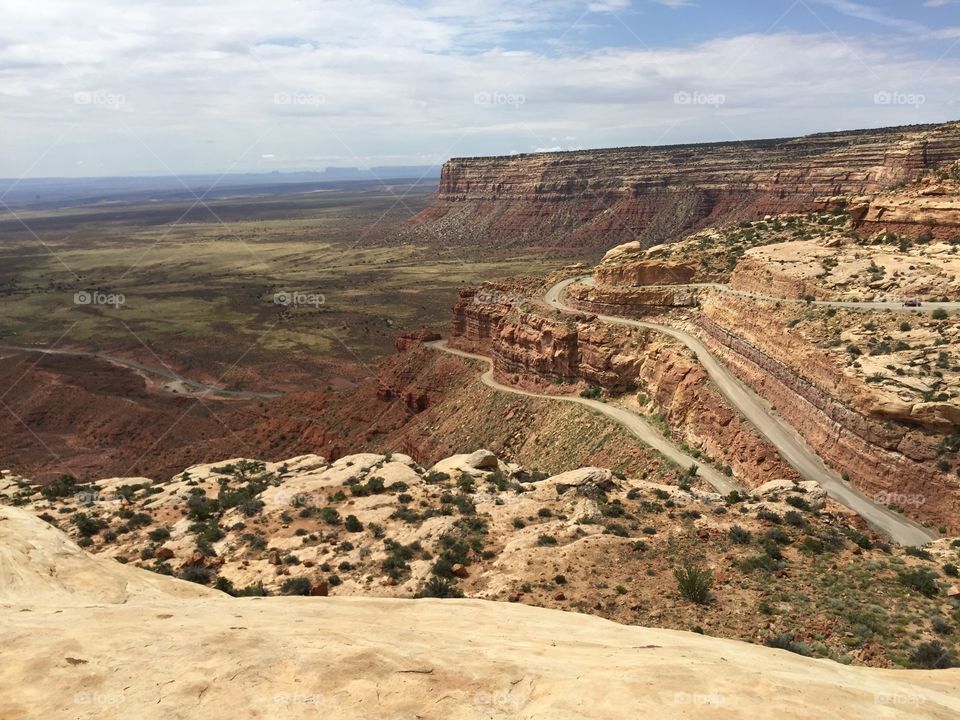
(858, 538)
(761, 561)
(733, 498)
(560, 580)
(769, 516)
(196, 574)
(939, 314)
(352, 524)
(592, 393)
(739, 535)
(159, 534)
(334, 580)
(63, 486)
(786, 641)
(950, 570)
(922, 580)
(88, 526)
(694, 583)
(546, 540)
(798, 502)
(544, 512)
(932, 656)
(519, 523)
(330, 516)
(617, 530)
(778, 536)
(918, 552)
(941, 626)
(812, 545)
(437, 587)
(296, 586)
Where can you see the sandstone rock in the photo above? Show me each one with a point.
(460, 571)
(589, 481)
(321, 589)
(808, 490)
(482, 460)
(164, 553)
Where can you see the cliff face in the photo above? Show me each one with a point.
(533, 345)
(601, 198)
(886, 456)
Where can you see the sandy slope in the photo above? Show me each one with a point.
(84, 637)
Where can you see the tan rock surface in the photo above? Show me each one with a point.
(169, 650)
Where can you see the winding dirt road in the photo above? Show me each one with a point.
(791, 445)
(630, 421)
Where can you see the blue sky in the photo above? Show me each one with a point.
(177, 86)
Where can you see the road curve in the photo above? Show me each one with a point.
(632, 422)
(201, 388)
(791, 445)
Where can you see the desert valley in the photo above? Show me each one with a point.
(454, 360)
(750, 433)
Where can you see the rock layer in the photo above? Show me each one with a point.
(601, 198)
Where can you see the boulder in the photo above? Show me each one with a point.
(164, 553)
(589, 481)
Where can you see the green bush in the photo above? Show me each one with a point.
(159, 534)
(922, 580)
(694, 583)
(437, 587)
(199, 575)
(739, 535)
(933, 656)
(296, 586)
(352, 524)
(785, 641)
(592, 393)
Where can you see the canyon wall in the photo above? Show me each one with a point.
(890, 458)
(539, 348)
(597, 199)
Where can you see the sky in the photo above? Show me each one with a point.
(158, 87)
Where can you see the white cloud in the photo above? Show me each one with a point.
(871, 14)
(146, 85)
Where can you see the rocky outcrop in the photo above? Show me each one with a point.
(631, 301)
(546, 349)
(601, 198)
(218, 657)
(931, 208)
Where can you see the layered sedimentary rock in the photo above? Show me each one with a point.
(931, 208)
(530, 343)
(631, 301)
(600, 198)
(887, 452)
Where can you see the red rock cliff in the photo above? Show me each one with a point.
(601, 198)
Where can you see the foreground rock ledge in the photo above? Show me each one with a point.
(84, 637)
